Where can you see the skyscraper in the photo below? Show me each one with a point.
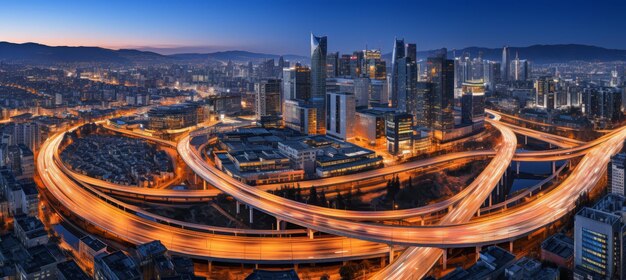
(406, 79)
(267, 98)
(318, 79)
(341, 112)
(506, 64)
(441, 74)
(332, 65)
(411, 52)
(398, 52)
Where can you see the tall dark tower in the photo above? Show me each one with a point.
(506, 64)
(398, 52)
(318, 79)
(441, 105)
(411, 52)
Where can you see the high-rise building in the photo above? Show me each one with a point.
(318, 79)
(506, 64)
(332, 65)
(344, 66)
(300, 116)
(599, 240)
(441, 105)
(267, 101)
(356, 64)
(602, 103)
(406, 81)
(341, 112)
(296, 83)
(411, 52)
(27, 133)
(544, 87)
(473, 103)
(519, 69)
(416, 103)
(399, 133)
(616, 182)
(398, 53)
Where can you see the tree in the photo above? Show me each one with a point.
(313, 196)
(322, 200)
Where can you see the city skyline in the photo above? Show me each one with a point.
(193, 26)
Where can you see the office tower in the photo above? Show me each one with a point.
(441, 106)
(519, 69)
(506, 64)
(300, 116)
(356, 63)
(296, 83)
(406, 79)
(491, 73)
(318, 79)
(411, 52)
(602, 103)
(267, 101)
(399, 132)
(599, 241)
(344, 65)
(544, 86)
(332, 65)
(340, 115)
(362, 89)
(379, 93)
(416, 103)
(398, 52)
(616, 182)
(473, 103)
(28, 134)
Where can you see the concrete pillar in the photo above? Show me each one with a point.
(477, 252)
(251, 214)
(422, 220)
(204, 184)
(511, 246)
(310, 233)
(445, 259)
(390, 253)
(383, 262)
(490, 199)
(525, 140)
(553, 167)
(550, 145)
(195, 178)
(518, 164)
(478, 213)
(210, 268)
(278, 221)
(295, 266)
(238, 206)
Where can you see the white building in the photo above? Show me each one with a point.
(341, 111)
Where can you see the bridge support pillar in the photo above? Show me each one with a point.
(517, 168)
(237, 206)
(445, 259)
(490, 199)
(391, 253)
(553, 167)
(310, 233)
(251, 214)
(478, 252)
(278, 224)
(203, 184)
(422, 219)
(511, 247)
(478, 213)
(450, 208)
(210, 268)
(525, 139)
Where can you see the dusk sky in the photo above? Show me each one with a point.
(283, 27)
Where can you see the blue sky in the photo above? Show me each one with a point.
(283, 26)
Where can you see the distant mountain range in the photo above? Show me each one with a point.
(34, 53)
(41, 54)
